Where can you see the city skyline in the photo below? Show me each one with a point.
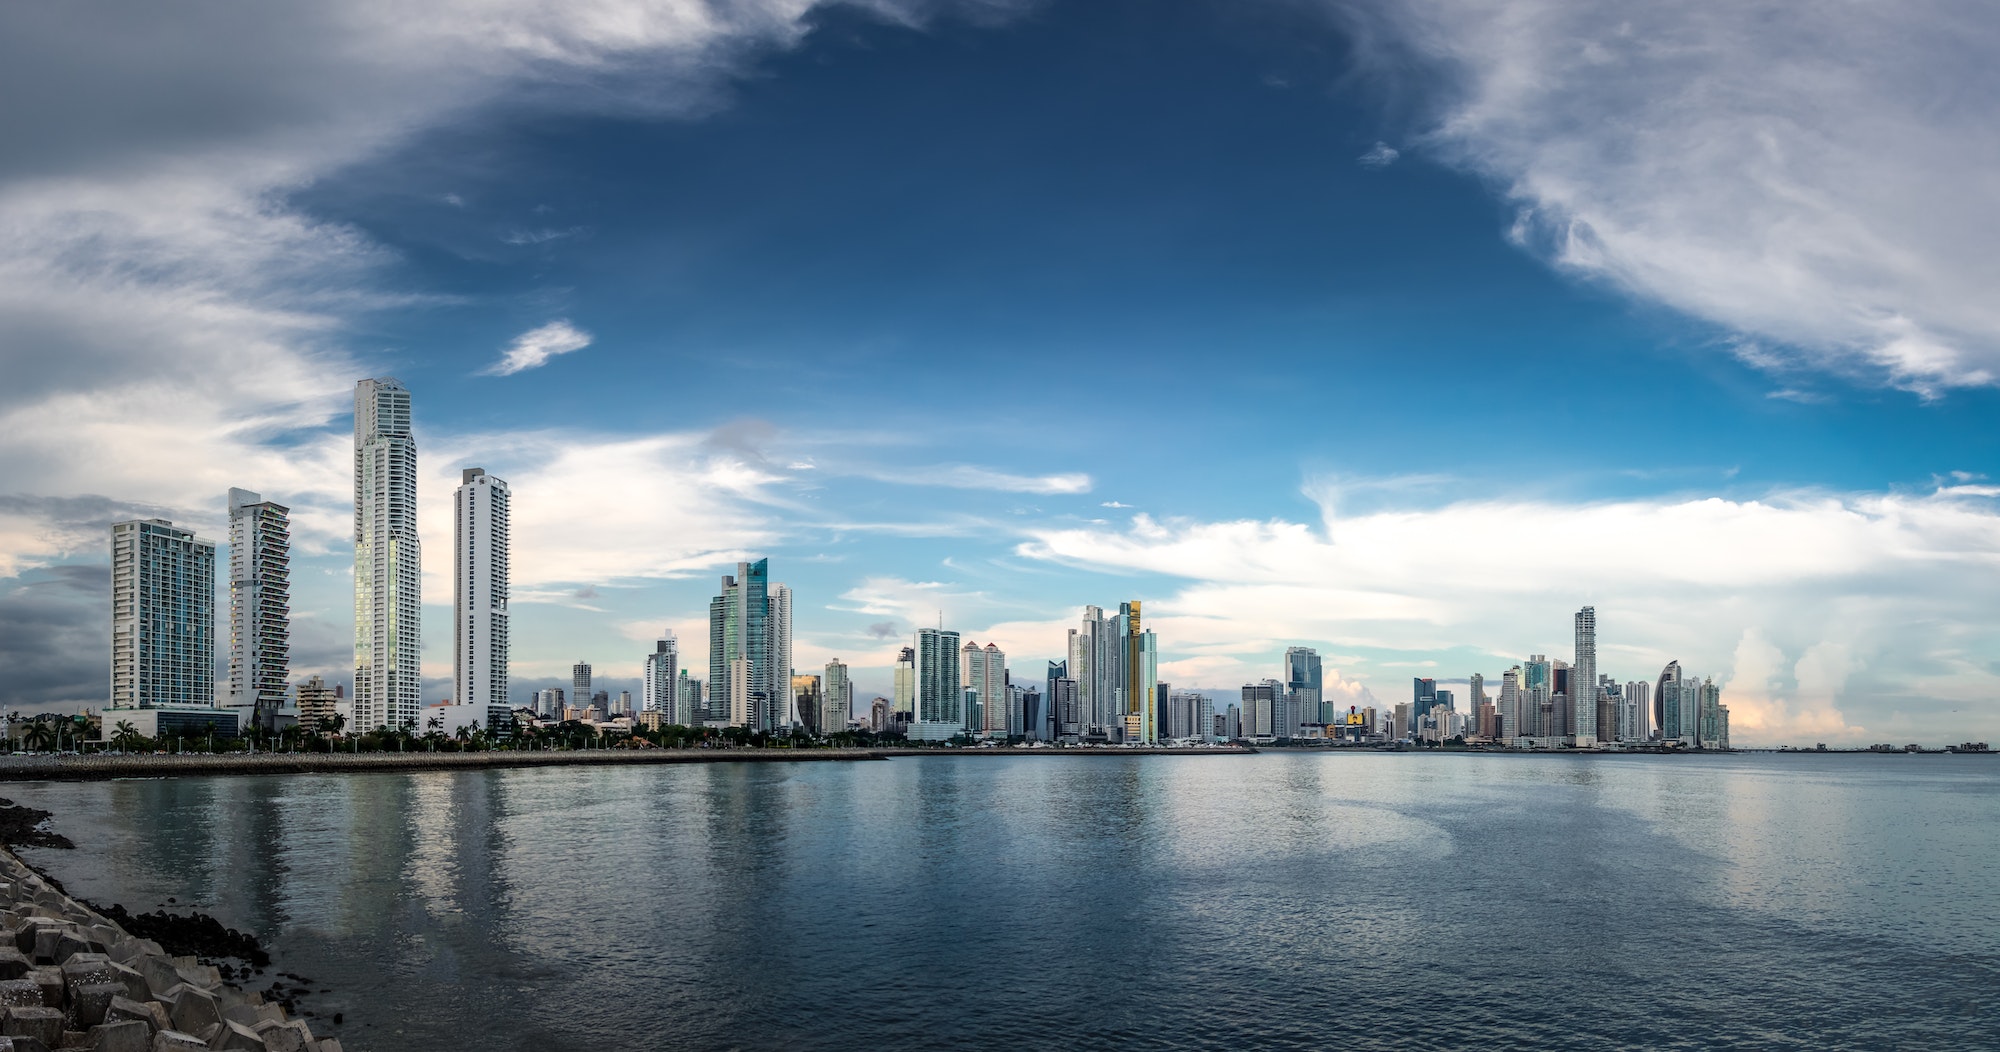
(1315, 334)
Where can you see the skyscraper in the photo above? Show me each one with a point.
(983, 671)
(806, 700)
(162, 617)
(781, 651)
(1638, 709)
(1538, 714)
(1423, 694)
(1141, 677)
(661, 690)
(579, 684)
(1259, 717)
(1100, 662)
(1303, 682)
(260, 607)
(905, 690)
(1510, 707)
(836, 697)
(940, 693)
(1667, 702)
(388, 559)
(480, 548)
(1583, 678)
(744, 686)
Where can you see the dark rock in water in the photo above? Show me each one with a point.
(22, 827)
(191, 935)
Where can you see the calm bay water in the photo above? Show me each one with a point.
(1277, 901)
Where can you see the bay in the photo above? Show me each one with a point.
(1277, 901)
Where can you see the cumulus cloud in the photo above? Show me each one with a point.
(1818, 177)
(1830, 616)
(535, 347)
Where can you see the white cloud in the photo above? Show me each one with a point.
(170, 322)
(1114, 504)
(535, 347)
(1828, 616)
(972, 476)
(1380, 155)
(1818, 177)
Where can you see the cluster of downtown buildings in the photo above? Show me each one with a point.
(1106, 689)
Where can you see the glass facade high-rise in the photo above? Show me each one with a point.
(940, 700)
(260, 608)
(660, 691)
(1304, 682)
(162, 617)
(905, 689)
(745, 686)
(388, 559)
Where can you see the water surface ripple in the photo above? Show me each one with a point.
(1281, 901)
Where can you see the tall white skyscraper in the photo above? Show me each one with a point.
(836, 698)
(388, 560)
(660, 692)
(781, 651)
(260, 605)
(162, 617)
(479, 581)
(1583, 678)
(1638, 710)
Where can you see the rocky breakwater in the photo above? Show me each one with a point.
(72, 979)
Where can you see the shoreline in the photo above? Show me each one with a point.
(94, 985)
(108, 767)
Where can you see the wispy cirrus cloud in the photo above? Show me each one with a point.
(1816, 177)
(534, 348)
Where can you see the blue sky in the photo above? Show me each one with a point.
(1398, 329)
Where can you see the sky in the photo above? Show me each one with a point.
(1400, 329)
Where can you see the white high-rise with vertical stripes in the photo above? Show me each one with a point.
(388, 560)
(479, 585)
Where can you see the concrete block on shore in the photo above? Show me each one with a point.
(47, 937)
(160, 975)
(89, 1001)
(85, 968)
(284, 1037)
(42, 1024)
(13, 963)
(50, 981)
(128, 1036)
(235, 1037)
(126, 1009)
(23, 993)
(192, 1009)
(26, 931)
(175, 1041)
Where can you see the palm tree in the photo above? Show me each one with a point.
(127, 736)
(40, 735)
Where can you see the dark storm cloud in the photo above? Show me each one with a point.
(55, 640)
